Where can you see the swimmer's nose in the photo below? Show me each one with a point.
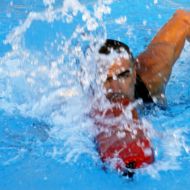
(115, 87)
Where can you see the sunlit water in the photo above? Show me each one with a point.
(48, 66)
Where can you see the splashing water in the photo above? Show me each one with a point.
(49, 78)
(48, 74)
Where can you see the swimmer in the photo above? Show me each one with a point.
(147, 75)
(144, 77)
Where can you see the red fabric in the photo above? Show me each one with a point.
(134, 147)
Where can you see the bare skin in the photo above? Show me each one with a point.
(123, 85)
(154, 65)
(156, 62)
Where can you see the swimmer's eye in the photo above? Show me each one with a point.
(126, 75)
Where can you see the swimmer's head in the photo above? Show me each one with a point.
(117, 46)
(121, 75)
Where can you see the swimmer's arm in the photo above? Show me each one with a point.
(154, 65)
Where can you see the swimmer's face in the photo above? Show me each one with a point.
(121, 79)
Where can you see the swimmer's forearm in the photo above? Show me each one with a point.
(154, 65)
(174, 32)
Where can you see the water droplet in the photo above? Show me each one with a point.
(84, 17)
(144, 22)
(140, 101)
(121, 20)
(154, 99)
(15, 47)
(69, 19)
(110, 90)
(135, 132)
(147, 152)
(77, 48)
(114, 77)
(75, 13)
(75, 35)
(8, 15)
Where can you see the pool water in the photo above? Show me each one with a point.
(46, 48)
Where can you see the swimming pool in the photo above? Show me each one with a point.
(44, 139)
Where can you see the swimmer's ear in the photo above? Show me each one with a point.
(134, 75)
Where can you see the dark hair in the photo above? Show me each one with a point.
(117, 46)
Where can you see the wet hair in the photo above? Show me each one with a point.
(117, 46)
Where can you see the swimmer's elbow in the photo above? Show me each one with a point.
(180, 12)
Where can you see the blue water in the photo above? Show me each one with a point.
(45, 138)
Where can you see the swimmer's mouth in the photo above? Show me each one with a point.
(117, 97)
